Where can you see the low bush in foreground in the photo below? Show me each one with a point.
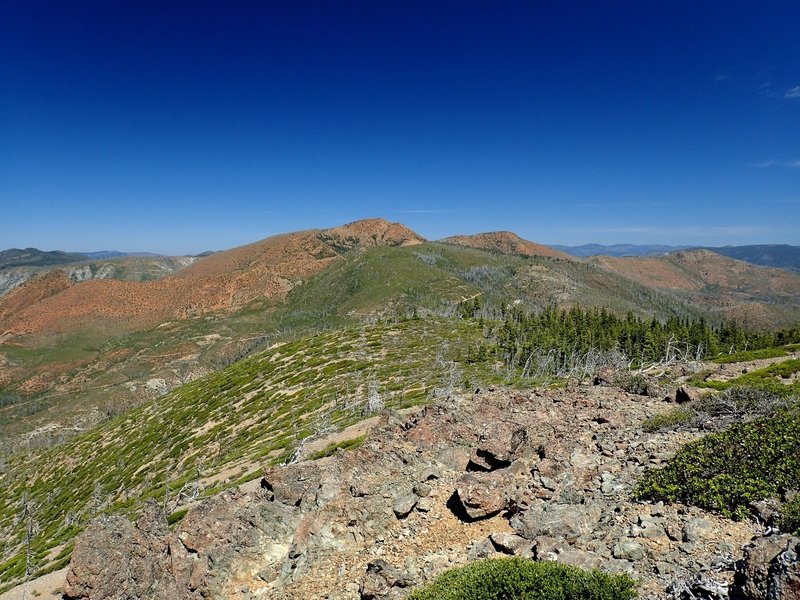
(524, 579)
(726, 472)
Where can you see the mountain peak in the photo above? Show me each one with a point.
(505, 242)
(374, 231)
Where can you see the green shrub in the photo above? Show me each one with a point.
(669, 420)
(524, 579)
(790, 516)
(633, 383)
(177, 516)
(750, 355)
(331, 449)
(727, 472)
(768, 379)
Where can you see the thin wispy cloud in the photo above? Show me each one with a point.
(793, 93)
(786, 164)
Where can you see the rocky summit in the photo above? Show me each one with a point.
(546, 474)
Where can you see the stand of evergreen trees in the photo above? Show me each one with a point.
(576, 331)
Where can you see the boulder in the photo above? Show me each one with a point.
(404, 504)
(380, 579)
(567, 521)
(697, 529)
(628, 550)
(482, 495)
(514, 545)
(116, 559)
(770, 570)
(291, 485)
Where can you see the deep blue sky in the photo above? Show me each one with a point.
(181, 128)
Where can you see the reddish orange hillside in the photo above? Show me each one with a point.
(696, 270)
(223, 281)
(505, 242)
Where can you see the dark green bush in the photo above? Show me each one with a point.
(727, 472)
(524, 579)
(633, 383)
(790, 516)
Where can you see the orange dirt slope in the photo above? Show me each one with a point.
(224, 281)
(505, 242)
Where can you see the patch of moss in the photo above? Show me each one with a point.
(177, 516)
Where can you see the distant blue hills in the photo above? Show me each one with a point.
(781, 256)
(33, 257)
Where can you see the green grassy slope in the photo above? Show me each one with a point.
(256, 411)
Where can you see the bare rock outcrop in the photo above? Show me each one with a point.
(543, 474)
(116, 559)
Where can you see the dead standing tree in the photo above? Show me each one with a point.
(31, 529)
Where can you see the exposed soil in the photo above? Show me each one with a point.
(506, 242)
(220, 282)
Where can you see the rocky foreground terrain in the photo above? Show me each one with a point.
(546, 474)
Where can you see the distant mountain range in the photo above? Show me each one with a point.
(33, 257)
(781, 256)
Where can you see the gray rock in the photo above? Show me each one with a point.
(580, 558)
(514, 545)
(379, 580)
(483, 549)
(482, 495)
(425, 505)
(114, 558)
(403, 505)
(423, 490)
(628, 550)
(785, 581)
(697, 529)
(569, 521)
(548, 548)
(650, 527)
